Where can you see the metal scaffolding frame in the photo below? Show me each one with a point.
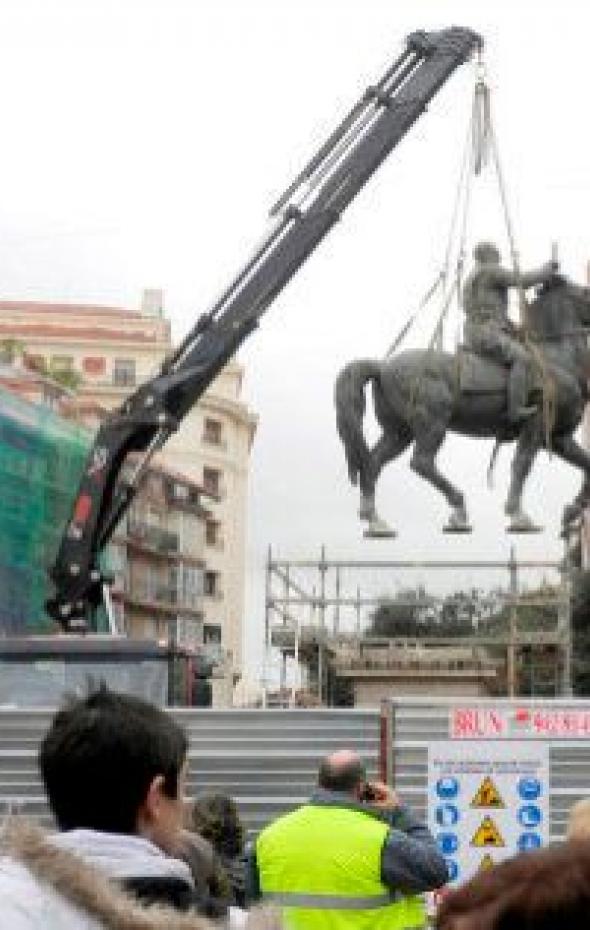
(315, 585)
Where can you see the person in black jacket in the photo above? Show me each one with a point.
(215, 817)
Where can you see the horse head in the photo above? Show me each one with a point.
(560, 311)
(558, 320)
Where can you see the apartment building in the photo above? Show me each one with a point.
(158, 559)
(112, 350)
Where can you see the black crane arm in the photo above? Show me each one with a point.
(300, 219)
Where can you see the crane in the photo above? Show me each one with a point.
(300, 219)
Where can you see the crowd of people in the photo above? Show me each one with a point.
(131, 853)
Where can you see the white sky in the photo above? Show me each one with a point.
(143, 142)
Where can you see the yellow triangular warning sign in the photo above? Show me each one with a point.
(487, 795)
(487, 834)
(486, 863)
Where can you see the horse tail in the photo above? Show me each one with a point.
(349, 397)
(492, 464)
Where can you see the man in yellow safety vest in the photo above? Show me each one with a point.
(353, 857)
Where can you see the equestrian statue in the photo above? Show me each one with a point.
(527, 384)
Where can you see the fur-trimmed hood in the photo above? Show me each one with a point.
(44, 885)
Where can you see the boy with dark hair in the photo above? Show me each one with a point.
(114, 769)
(100, 757)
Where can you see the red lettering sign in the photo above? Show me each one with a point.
(519, 723)
(477, 723)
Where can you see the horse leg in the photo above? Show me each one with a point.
(527, 447)
(388, 447)
(426, 448)
(571, 452)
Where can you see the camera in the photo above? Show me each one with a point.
(368, 792)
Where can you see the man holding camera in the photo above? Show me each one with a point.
(353, 857)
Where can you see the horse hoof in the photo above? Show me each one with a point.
(456, 527)
(379, 529)
(522, 523)
(458, 521)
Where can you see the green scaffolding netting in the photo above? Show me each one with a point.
(41, 461)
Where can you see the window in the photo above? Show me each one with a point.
(61, 363)
(95, 367)
(124, 372)
(211, 584)
(212, 481)
(211, 633)
(212, 431)
(180, 492)
(212, 532)
(192, 585)
(36, 362)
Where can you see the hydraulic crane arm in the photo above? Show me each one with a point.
(300, 219)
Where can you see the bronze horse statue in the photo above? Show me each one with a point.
(419, 395)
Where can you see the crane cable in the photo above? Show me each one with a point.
(460, 208)
(487, 143)
(481, 144)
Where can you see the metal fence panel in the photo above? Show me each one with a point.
(267, 760)
(413, 723)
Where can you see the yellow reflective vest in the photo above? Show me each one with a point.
(322, 866)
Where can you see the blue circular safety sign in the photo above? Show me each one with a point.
(447, 815)
(529, 789)
(452, 870)
(529, 816)
(447, 787)
(447, 843)
(528, 841)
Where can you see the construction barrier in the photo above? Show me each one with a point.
(266, 759)
(41, 461)
(491, 777)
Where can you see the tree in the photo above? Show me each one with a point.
(396, 617)
(11, 350)
(68, 378)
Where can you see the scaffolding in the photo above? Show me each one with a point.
(310, 612)
(41, 460)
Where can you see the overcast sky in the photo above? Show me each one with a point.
(143, 142)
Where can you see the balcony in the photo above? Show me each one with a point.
(154, 538)
(181, 495)
(155, 593)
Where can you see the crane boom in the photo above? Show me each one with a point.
(300, 219)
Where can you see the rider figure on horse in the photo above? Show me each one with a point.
(488, 329)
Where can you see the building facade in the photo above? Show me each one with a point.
(157, 553)
(110, 351)
(158, 561)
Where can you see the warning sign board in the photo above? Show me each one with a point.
(486, 863)
(487, 800)
(487, 834)
(487, 795)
